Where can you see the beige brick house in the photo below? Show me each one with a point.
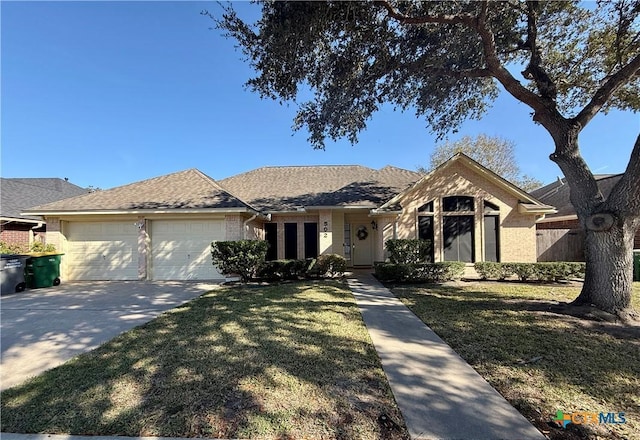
(161, 228)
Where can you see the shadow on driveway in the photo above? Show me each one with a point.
(43, 328)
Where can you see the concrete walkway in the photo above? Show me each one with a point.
(439, 394)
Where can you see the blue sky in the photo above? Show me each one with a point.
(108, 93)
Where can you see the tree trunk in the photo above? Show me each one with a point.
(609, 224)
(609, 269)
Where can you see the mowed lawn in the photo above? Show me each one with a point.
(540, 360)
(289, 361)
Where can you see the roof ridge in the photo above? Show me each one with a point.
(218, 186)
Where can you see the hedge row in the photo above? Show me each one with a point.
(246, 258)
(419, 273)
(325, 265)
(551, 271)
(408, 251)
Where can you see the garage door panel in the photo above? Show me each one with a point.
(102, 251)
(181, 250)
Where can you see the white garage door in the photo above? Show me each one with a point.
(102, 251)
(181, 250)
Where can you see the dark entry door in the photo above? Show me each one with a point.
(458, 238)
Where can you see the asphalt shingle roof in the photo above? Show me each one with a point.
(190, 189)
(19, 194)
(557, 193)
(289, 187)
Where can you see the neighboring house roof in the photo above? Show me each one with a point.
(558, 192)
(19, 194)
(190, 189)
(527, 202)
(291, 187)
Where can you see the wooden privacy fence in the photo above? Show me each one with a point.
(560, 244)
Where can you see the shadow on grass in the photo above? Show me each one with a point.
(281, 362)
(494, 330)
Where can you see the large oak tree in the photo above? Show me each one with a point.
(447, 61)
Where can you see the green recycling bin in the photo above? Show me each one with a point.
(636, 265)
(43, 270)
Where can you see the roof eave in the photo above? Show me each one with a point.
(534, 208)
(141, 211)
(21, 220)
(560, 218)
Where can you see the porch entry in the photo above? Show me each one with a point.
(361, 243)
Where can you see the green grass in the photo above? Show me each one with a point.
(541, 361)
(291, 361)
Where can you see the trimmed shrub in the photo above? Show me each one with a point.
(495, 271)
(420, 273)
(524, 271)
(276, 270)
(331, 264)
(546, 272)
(393, 272)
(404, 251)
(243, 257)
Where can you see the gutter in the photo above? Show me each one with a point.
(143, 212)
(245, 226)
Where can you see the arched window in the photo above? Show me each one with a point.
(457, 204)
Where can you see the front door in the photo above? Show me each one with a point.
(361, 244)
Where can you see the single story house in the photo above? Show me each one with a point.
(560, 236)
(161, 228)
(18, 194)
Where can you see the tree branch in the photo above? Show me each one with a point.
(625, 195)
(607, 90)
(465, 19)
(498, 71)
(534, 70)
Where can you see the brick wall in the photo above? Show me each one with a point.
(13, 235)
(517, 235)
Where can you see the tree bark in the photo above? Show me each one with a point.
(609, 269)
(609, 225)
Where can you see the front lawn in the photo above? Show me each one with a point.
(291, 361)
(540, 360)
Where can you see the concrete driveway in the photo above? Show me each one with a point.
(43, 328)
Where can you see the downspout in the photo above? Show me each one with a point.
(245, 227)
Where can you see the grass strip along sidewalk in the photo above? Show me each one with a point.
(541, 361)
(289, 361)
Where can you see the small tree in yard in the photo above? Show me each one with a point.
(242, 257)
(445, 60)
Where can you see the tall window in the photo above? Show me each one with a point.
(457, 229)
(425, 226)
(290, 241)
(347, 241)
(310, 240)
(491, 232)
(271, 237)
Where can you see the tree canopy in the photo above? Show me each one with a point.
(447, 61)
(443, 60)
(494, 152)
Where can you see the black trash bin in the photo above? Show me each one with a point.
(12, 273)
